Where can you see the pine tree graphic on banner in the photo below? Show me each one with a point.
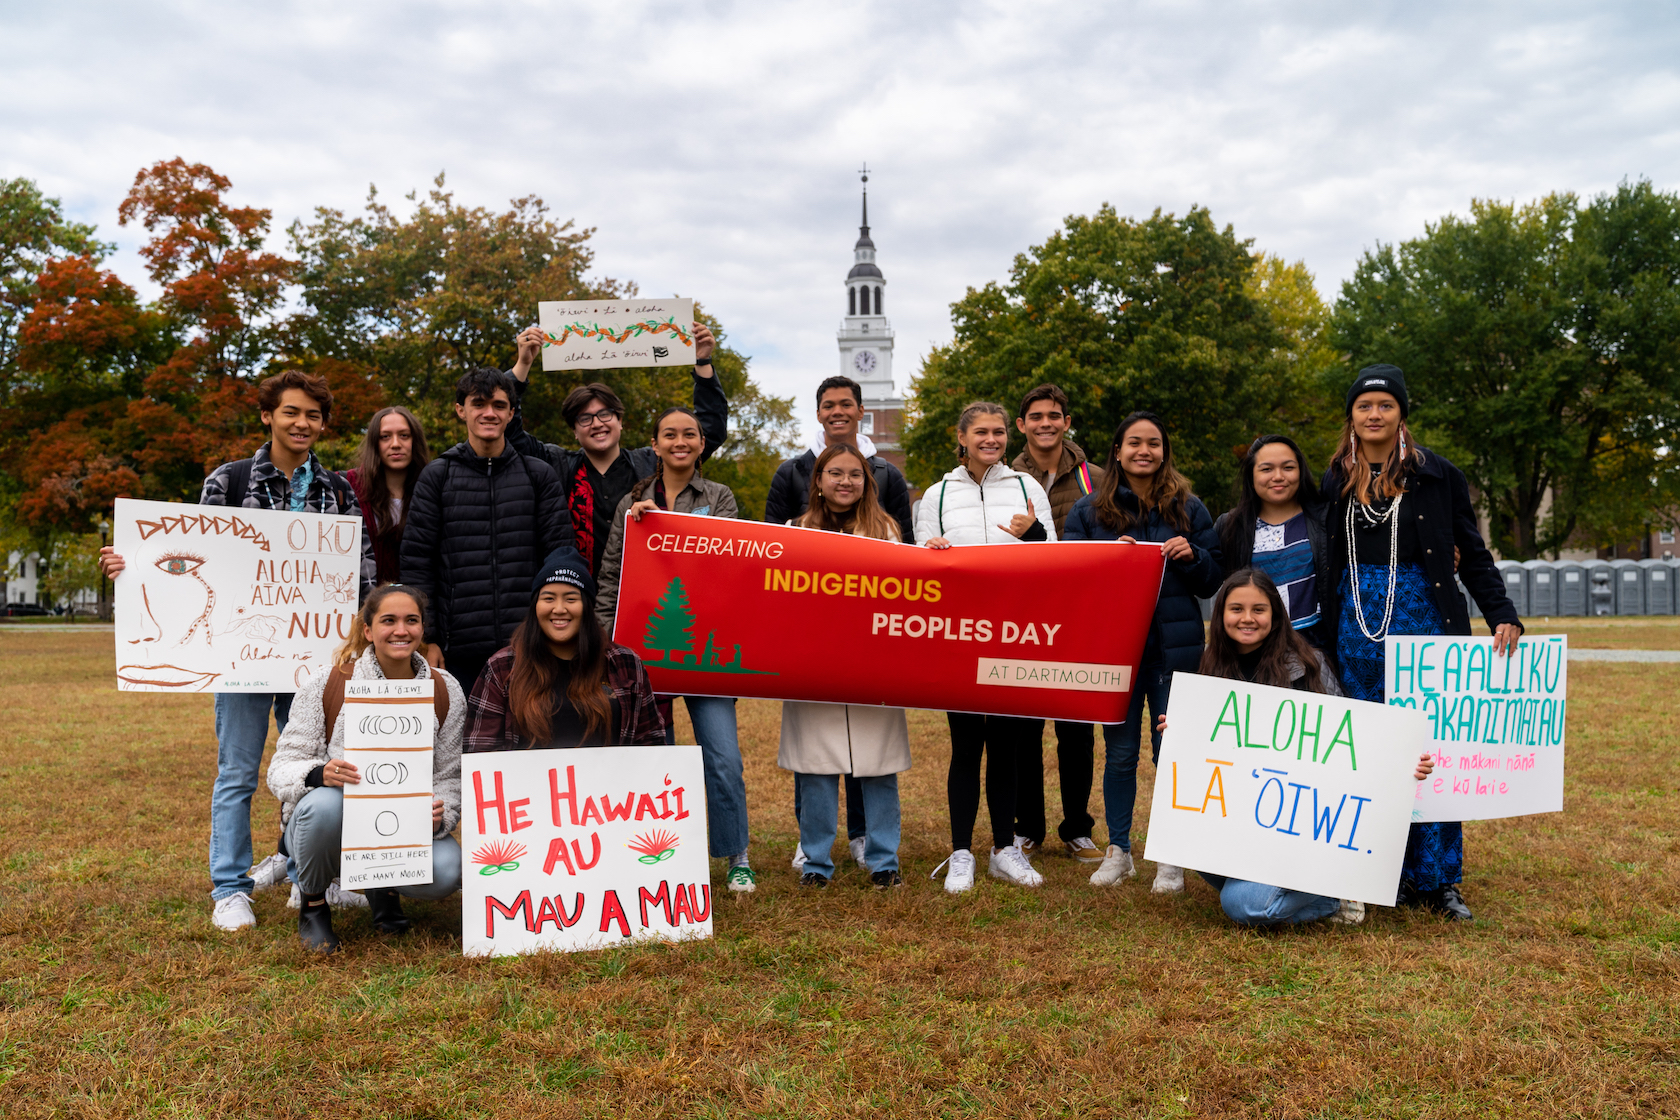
(669, 628)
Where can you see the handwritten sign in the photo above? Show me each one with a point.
(1292, 789)
(1497, 723)
(389, 729)
(615, 333)
(223, 599)
(583, 849)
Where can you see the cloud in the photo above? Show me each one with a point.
(714, 146)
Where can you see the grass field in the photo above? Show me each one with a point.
(117, 997)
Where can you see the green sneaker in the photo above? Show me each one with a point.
(741, 878)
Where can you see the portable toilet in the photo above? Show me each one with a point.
(1516, 584)
(1542, 587)
(1601, 588)
(1630, 586)
(1571, 581)
(1659, 586)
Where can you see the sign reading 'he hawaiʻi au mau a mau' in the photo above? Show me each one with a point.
(583, 848)
(1292, 789)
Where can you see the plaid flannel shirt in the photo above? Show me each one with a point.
(488, 728)
(270, 488)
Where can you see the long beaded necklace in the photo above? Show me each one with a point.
(1373, 520)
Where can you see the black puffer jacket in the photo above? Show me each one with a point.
(790, 492)
(477, 530)
(1175, 633)
(1438, 509)
(1321, 634)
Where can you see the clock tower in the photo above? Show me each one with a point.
(866, 344)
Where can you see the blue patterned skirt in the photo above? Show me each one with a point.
(1434, 851)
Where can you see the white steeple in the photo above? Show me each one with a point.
(866, 336)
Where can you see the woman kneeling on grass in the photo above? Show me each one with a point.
(1251, 640)
(561, 683)
(308, 773)
(822, 741)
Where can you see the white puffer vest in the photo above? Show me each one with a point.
(965, 512)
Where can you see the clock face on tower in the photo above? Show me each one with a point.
(864, 361)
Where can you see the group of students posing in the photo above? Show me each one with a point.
(494, 568)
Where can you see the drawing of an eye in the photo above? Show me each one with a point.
(180, 563)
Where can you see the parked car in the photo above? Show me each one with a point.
(18, 610)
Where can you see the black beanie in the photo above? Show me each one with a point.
(1380, 379)
(565, 565)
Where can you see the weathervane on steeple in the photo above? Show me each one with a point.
(865, 173)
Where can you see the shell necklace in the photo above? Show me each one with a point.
(1373, 520)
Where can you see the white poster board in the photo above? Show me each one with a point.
(223, 599)
(583, 849)
(389, 729)
(1497, 723)
(1292, 789)
(615, 333)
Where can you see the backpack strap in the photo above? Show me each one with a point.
(239, 481)
(1022, 482)
(1084, 476)
(332, 699)
(345, 492)
(943, 486)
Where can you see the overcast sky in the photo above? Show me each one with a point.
(715, 145)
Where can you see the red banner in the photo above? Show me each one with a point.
(720, 607)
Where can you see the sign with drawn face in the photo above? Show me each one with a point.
(616, 333)
(583, 849)
(389, 728)
(1291, 789)
(222, 599)
(1497, 723)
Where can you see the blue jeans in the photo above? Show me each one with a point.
(1256, 904)
(819, 820)
(315, 835)
(1121, 742)
(241, 731)
(726, 782)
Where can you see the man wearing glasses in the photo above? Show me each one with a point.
(597, 476)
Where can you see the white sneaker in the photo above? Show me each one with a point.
(1168, 879)
(233, 913)
(857, 847)
(1027, 846)
(337, 897)
(1116, 865)
(960, 877)
(799, 857)
(1351, 914)
(271, 872)
(1012, 866)
(340, 899)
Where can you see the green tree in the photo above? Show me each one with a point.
(671, 626)
(1541, 346)
(1122, 314)
(1310, 406)
(32, 232)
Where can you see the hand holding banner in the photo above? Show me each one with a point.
(388, 738)
(739, 608)
(1497, 723)
(1292, 789)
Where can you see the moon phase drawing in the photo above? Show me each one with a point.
(385, 823)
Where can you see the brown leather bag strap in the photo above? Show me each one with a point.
(332, 700)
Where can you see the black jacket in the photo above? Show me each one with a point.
(790, 492)
(711, 408)
(1175, 633)
(477, 531)
(1437, 508)
(1322, 633)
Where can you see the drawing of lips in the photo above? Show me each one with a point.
(165, 676)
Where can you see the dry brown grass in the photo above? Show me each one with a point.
(118, 998)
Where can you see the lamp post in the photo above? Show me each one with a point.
(104, 584)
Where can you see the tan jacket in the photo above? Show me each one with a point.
(857, 739)
(1067, 488)
(701, 496)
